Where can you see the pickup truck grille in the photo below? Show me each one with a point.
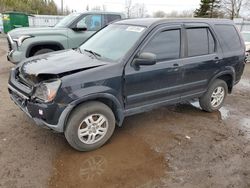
(9, 44)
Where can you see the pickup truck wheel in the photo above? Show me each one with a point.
(43, 51)
(213, 99)
(90, 126)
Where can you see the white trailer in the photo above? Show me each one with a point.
(44, 20)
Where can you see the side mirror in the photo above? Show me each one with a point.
(145, 59)
(80, 26)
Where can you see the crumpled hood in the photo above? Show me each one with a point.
(37, 31)
(58, 63)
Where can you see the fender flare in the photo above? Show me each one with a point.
(118, 111)
(230, 71)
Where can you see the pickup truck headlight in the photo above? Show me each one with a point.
(19, 40)
(47, 90)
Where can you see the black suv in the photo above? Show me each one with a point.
(128, 67)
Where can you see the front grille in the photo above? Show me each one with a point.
(9, 44)
(17, 98)
(15, 83)
(22, 80)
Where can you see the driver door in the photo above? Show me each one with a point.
(160, 83)
(93, 22)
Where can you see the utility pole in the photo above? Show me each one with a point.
(62, 7)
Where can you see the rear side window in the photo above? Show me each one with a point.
(228, 37)
(165, 45)
(200, 42)
(112, 17)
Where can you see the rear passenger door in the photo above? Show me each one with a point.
(201, 60)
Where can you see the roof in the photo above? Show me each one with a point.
(100, 12)
(147, 22)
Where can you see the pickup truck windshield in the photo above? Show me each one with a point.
(114, 41)
(67, 20)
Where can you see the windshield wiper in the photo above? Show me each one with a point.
(93, 53)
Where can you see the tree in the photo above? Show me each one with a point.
(138, 11)
(208, 9)
(29, 6)
(233, 7)
(182, 14)
(96, 8)
(128, 7)
(87, 8)
(159, 14)
(186, 14)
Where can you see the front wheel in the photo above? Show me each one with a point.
(90, 126)
(213, 99)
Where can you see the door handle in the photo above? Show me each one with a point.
(176, 66)
(216, 60)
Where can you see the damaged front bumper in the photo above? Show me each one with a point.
(50, 115)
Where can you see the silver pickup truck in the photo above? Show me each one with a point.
(70, 32)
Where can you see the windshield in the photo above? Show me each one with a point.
(246, 37)
(114, 41)
(67, 20)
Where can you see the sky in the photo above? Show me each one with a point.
(118, 5)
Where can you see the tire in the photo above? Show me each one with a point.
(79, 124)
(210, 103)
(43, 51)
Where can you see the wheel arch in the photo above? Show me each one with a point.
(48, 44)
(228, 76)
(110, 100)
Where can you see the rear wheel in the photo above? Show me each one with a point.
(213, 99)
(90, 126)
(43, 51)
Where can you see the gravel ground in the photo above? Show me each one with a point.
(175, 146)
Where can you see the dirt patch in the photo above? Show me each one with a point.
(124, 161)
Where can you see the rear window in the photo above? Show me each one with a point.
(228, 37)
(112, 17)
(200, 42)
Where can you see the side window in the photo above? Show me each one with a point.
(211, 43)
(91, 22)
(229, 37)
(165, 45)
(112, 17)
(200, 42)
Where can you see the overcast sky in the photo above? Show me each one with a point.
(118, 5)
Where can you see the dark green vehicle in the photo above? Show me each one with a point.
(70, 32)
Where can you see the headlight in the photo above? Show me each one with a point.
(19, 40)
(47, 90)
